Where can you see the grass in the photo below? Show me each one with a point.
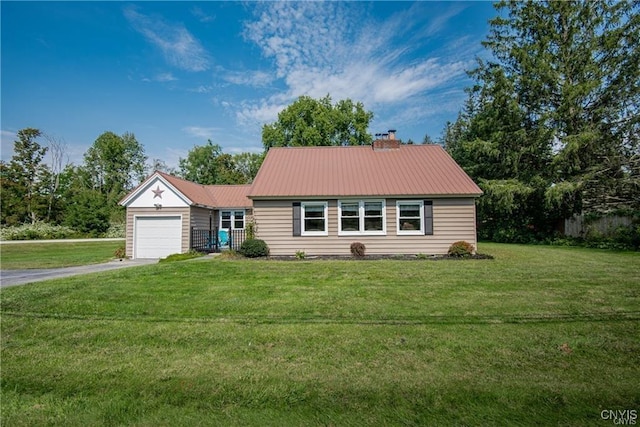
(182, 257)
(538, 336)
(18, 256)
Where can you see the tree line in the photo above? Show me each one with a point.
(38, 185)
(550, 128)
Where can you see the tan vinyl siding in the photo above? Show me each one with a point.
(200, 218)
(453, 220)
(133, 212)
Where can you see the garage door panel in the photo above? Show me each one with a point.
(157, 236)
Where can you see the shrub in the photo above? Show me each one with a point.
(116, 231)
(37, 231)
(254, 248)
(461, 249)
(358, 249)
(121, 252)
(301, 255)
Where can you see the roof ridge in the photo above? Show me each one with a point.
(320, 147)
(228, 185)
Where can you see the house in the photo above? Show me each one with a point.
(393, 198)
(164, 211)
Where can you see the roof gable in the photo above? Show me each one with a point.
(197, 193)
(156, 190)
(411, 170)
(171, 191)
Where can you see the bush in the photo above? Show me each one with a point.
(358, 249)
(461, 249)
(254, 248)
(37, 231)
(120, 253)
(116, 231)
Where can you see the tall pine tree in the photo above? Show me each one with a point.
(552, 126)
(22, 180)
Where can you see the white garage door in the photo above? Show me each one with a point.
(157, 236)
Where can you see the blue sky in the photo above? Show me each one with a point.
(178, 73)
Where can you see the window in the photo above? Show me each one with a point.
(361, 217)
(238, 219)
(410, 214)
(232, 219)
(314, 218)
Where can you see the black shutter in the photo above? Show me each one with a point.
(297, 227)
(428, 217)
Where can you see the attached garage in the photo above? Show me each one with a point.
(157, 236)
(164, 209)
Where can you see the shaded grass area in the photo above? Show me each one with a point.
(16, 256)
(537, 336)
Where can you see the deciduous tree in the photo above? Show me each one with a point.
(313, 122)
(208, 165)
(248, 164)
(115, 164)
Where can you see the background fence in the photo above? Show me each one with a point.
(605, 226)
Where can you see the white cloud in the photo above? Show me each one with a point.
(179, 47)
(249, 78)
(202, 15)
(202, 89)
(251, 113)
(321, 48)
(161, 78)
(201, 132)
(172, 156)
(165, 77)
(439, 22)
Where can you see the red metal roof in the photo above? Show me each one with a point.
(219, 196)
(411, 170)
(197, 193)
(230, 196)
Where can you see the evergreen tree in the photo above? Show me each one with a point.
(574, 66)
(22, 180)
(551, 128)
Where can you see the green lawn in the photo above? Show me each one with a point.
(14, 256)
(537, 336)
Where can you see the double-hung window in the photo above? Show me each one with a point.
(361, 217)
(232, 219)
(410, 214)
(314, 218)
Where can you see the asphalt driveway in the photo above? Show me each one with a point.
(21, 277)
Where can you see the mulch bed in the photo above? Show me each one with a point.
(398, 257)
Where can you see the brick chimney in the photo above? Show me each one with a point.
(386, 141)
